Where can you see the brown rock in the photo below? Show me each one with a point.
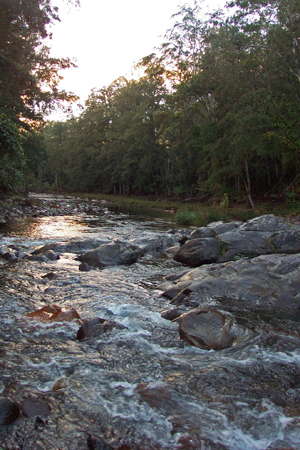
(54, 313)
(206, 328)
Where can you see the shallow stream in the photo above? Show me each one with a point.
(139, 387)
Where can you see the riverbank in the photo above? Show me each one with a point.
(189, 212)
(192, 211)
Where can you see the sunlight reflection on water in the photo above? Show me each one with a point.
(51, 227)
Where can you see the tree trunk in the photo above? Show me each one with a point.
(247, 183)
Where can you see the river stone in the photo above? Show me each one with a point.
(95, 327)
(245, 243)
(286, 241)
(198, 251)
(35, 407)
(221, 227)
(9, 411)
(72, 246)
(202, 232)
(267, 222)
(171, 314)
(112, 254)
(171, 251)
(267, 282)
(157, 244)
(206, 328)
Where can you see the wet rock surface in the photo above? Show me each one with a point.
(219, 242)
(210, 328)
(112, 254)
(231, 381)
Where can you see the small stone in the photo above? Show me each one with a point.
(34, 407)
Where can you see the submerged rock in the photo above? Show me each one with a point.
(95, 327)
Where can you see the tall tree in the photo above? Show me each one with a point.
(29, 76)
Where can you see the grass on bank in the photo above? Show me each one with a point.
(194, 213)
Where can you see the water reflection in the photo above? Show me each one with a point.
(49, 227)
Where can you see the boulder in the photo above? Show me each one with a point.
(267, 282)
(112, 254)
(260, 236)
(199, 251)
(286, 241)
(209, 328)
(72, 246)
(267, 222)
(202, 232)
(157, 244)
(244, 243)
(223, 227)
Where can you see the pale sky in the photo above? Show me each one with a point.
(107, 37)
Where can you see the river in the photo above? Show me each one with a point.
(135, 387)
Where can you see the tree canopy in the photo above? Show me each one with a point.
(216, 110)
(29, 78)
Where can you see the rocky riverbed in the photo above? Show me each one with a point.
(125, 333)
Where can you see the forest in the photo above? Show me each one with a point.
(214, 111)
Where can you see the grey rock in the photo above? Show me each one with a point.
(221, 227)
(245, 243)
(202, 232)
(199, 251)
(112, 254)
(286, 241)
(267, 222)
(72, 246)
(267, 282)
(156, 245)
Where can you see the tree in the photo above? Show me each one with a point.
(29, 76)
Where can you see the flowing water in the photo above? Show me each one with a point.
(139, 387)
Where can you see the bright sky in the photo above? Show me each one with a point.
(107, 37)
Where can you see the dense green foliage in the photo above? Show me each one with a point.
(216, 111)
(29, 79)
